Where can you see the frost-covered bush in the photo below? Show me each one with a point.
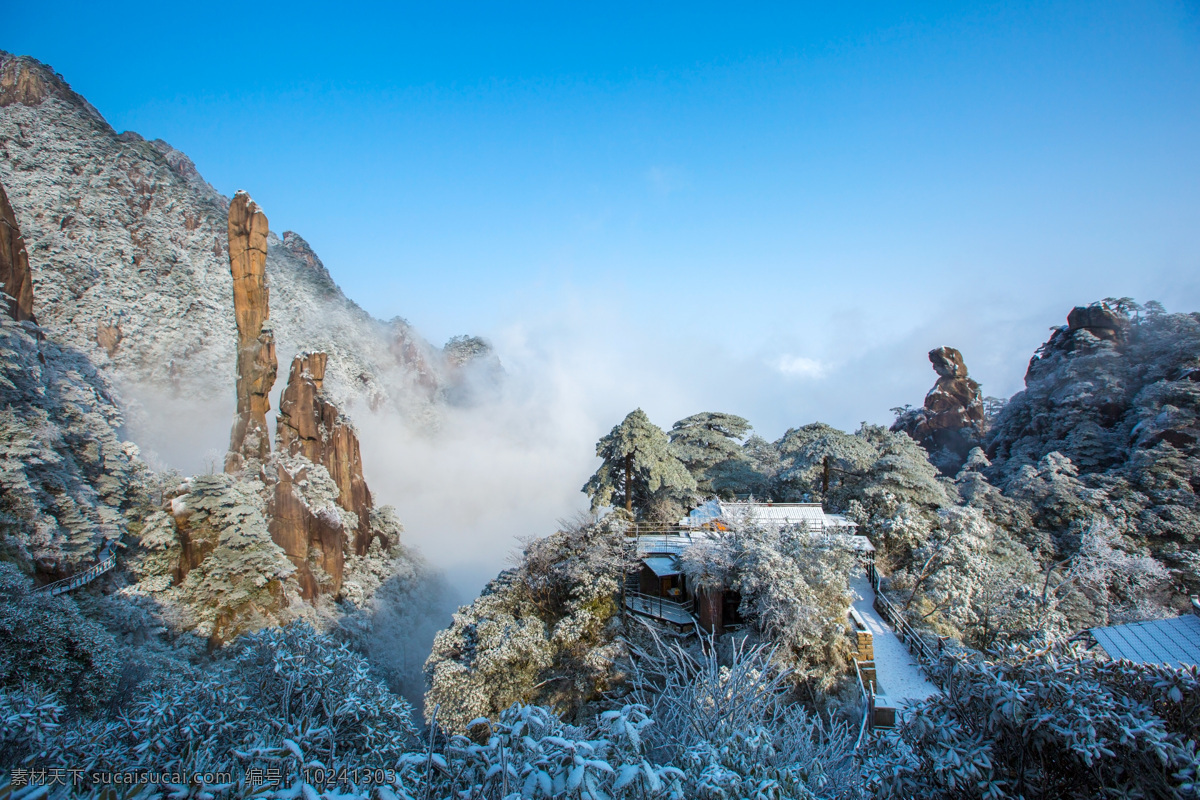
(45, 643)
(794, 590)
(543, 632)
(211, 562)
(734, 726)
(1046, 725)
(279, 698)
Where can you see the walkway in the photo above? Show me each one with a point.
(898, 676)
(106, 560)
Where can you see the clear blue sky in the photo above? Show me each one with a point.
(806, 198)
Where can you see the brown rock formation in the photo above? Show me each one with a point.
(21, 84)
(307, 539)
(1100, 321)
(256, 363)
(311, 425)
(15, 278)
(953, 419)
(411, 354)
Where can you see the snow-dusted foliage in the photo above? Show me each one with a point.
(968, 578)
(1046, 725)
(66, 479)
(277, 699)
(793, 588)
(640, 471)
(702, 441)
(733, 723)
(1110, 427)
(544, 632)
(45, 644)
(210, 560)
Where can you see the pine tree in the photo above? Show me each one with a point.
(705, 440)
(637, 464)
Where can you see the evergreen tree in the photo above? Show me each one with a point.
(637, 464)
(704, 441)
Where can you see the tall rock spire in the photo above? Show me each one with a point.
(15, 277)
(256, 363)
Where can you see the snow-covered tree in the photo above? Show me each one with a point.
(637, 465)
(544, 632)
(704, 441)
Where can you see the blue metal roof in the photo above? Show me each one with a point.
(662, 566)
(1160, 641)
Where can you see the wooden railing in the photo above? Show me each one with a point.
(108, 560)
(660, 603)
(868, 705)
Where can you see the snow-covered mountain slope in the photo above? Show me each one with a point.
(127, 246)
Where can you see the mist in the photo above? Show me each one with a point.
(509, 462)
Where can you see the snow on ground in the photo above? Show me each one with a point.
(897, 673)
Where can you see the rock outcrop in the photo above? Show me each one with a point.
(256, 363)
(313, 538)
(310, 424)
(953, 419)
(15, 277)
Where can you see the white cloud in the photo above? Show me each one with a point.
(801, 367)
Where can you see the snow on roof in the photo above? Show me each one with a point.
(1162, 641)
(809, 514)
(662, 566)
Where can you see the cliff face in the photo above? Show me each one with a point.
(953, 419)
(67, 482)
(127, 247)
(315, 442)
(256, 364)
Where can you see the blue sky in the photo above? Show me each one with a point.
(772, 210)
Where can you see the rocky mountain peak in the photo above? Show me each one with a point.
(29, 82)
(311, 429)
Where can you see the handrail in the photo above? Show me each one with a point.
(868, 700)
(107, 561)
(916, 645)
(686, 606)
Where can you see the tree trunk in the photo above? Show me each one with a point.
(629, 482)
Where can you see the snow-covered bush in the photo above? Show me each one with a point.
(544, 632)
(733, 726)
(46, 643)
(1046, 725)
(279, 698)
(794, 590)
(211, 562)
